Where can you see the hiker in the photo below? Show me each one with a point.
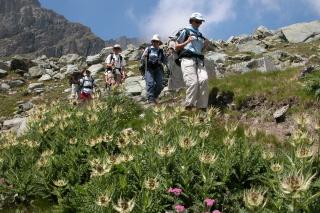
(115, 64)
(190, 45)
(74, 81)
(176, 82)
(153, 57)
(87, 84)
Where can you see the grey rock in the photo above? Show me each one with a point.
(279, 115)
(94, 69)
(240, 57)
(36, 72)
(16, 83)
(59, 76)
(71, 69)
(94, 59)
(3, 73)
(264, 64)
(21, 72)
(45, 77)
(134, 86)
(70, 59)
(4, 87)
(301, 32)
(24, 107)
(14, 123)
(252, 46)
(34, 86)
(216, 57)
(135, 55)
(4, 66)
(262, 32)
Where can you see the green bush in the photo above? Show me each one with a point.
(114, 154)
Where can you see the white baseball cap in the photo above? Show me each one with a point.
(197, 16)
(117, 46)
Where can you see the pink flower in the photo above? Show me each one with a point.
(179, 208)
(209, 202)
(216, 211)
(176, 191)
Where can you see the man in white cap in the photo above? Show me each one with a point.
(190, 43)
(115, 65)
(154, 58)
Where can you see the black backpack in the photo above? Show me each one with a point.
(185, 53)
(150, 63)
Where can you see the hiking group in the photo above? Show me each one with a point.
(184, 60)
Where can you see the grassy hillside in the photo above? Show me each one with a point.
(113, 155)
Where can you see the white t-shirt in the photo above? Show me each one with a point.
(116, 59)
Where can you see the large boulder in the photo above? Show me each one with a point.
(70, 68)
(93, 59)
(135, 55)
(18, 125)
(264, 64)
(94, 69)
(105, 52)
(253, 46)
(70, 59)
(36, 72)
(4, 66)
(16, 83)
(4, 87)
(261, 33)
(3, 73)
(301, 32)
(134, 86)
(45, 77)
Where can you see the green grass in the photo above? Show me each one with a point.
(275, 86)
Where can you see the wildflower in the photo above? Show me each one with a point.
(93, 142)
(103, 200)
(176, 191)
(114, 160)
(151, 184)
(295, 183)
(179, 208)
(254, 198)
(207, 158)
(123, 142)
(137, 141)
(299, 137)
(178, 109)
(107, 138)
(209, 202)
(250, 132)
(73, 141)
(92, 118)
(99, 168)
(31, 144)
(186, 143)
(166, 151)
(118, 109)
(127, 157)
(303, 120)
(204, 134)
(229, 141)
(156, 130)
(129, 133)
(276, 167)
(267, 155)
(124, 206)
(216, 211)
(60, 183)
(303, 152)
(231, 128)
(159, 109)
(213, 112)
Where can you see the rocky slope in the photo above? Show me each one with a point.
(26, 27)
(25, 82)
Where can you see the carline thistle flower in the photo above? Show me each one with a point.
(187, 143)
(166, 151)
(207, 158)
(204, 134)
(151, 184)
(254, 198)
(304, 152)
(103, 200)
(60, 183)
(296, 183)
(276, 167)
(124, 206)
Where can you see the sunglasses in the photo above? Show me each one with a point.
(198, 22)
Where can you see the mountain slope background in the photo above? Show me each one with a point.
(27, 28)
